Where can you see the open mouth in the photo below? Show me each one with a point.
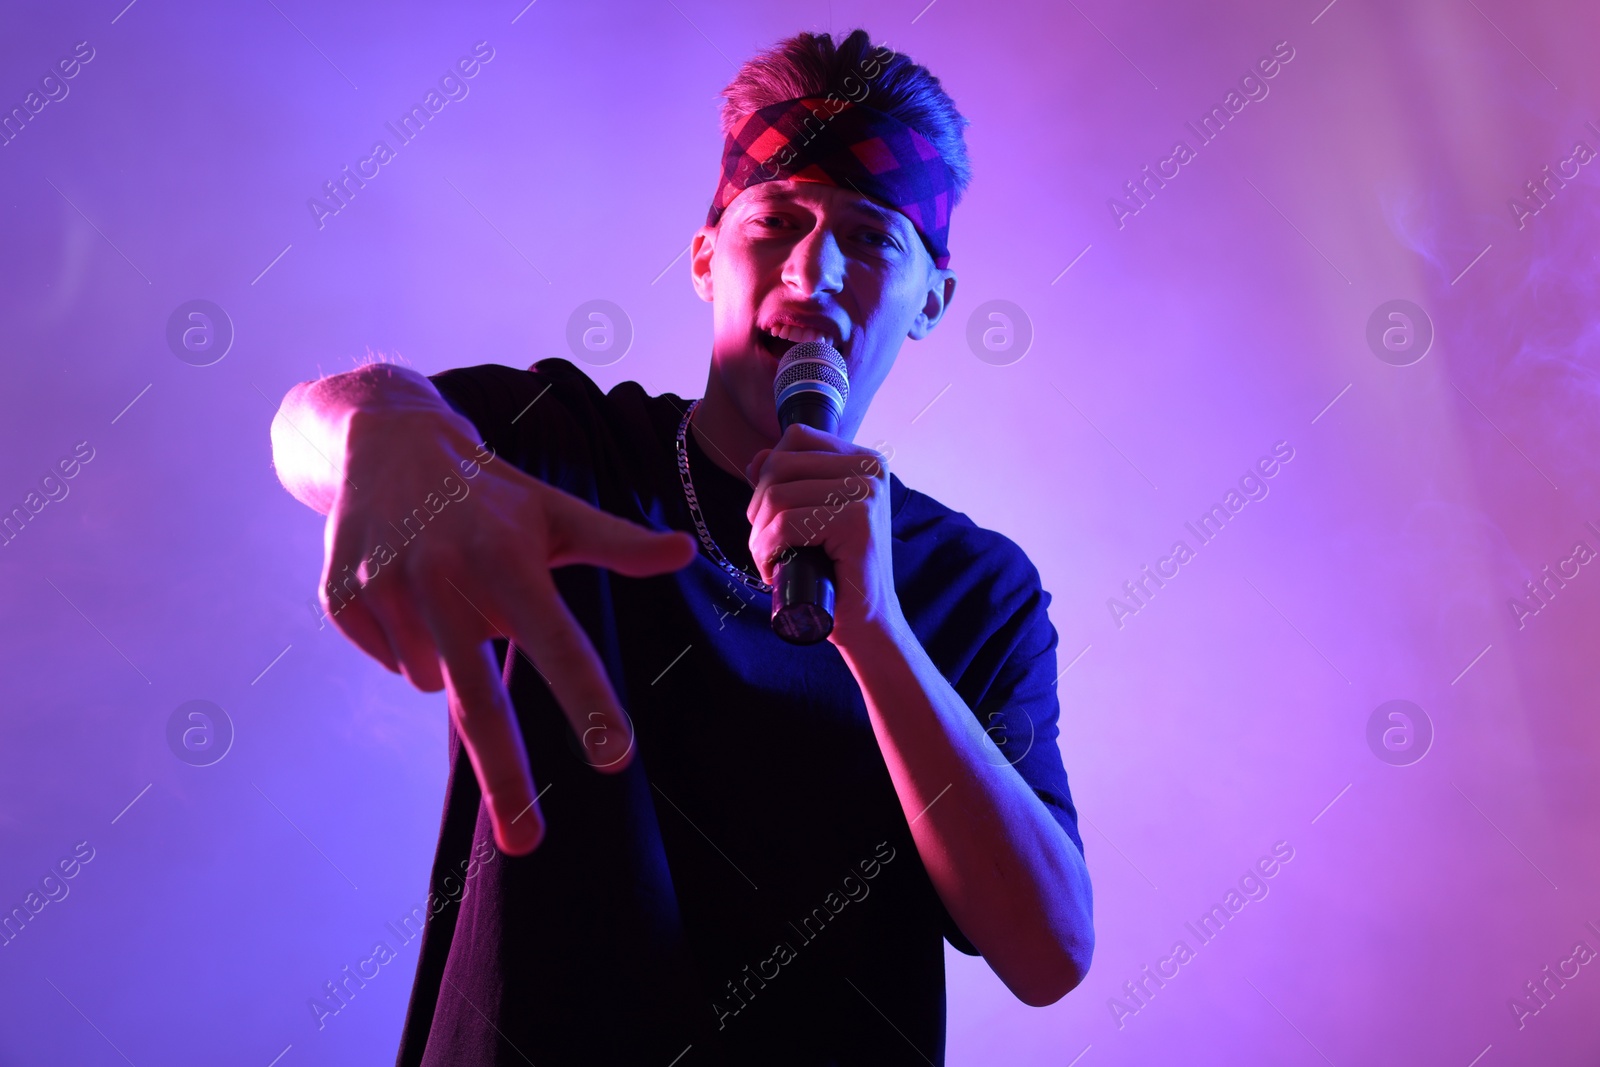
(773, 344)
(777, 346)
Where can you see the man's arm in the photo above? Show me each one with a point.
(1007, 872)
(377, 447)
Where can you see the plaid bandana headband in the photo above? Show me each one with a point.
(838, 142)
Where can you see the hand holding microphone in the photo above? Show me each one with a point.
(811, 388)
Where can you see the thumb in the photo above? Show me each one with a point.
(581, 533)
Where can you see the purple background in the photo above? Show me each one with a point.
(1230, 713)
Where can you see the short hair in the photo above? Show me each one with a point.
(811, 64)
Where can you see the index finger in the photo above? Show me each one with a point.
(487, 722)
(800, 437)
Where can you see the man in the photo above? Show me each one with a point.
(714, 846)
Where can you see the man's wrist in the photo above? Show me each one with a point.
(883, 633)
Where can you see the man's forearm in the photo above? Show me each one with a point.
(311, 429)
(1008, 874)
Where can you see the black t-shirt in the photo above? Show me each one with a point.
(747, 890)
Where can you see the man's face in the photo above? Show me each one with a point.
(788, 257)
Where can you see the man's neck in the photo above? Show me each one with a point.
(722, 432)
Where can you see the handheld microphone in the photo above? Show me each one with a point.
(811, 388)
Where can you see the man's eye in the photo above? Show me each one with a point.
(881, 241)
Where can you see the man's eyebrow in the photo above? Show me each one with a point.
(766, 193)
(889, 218)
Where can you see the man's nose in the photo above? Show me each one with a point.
(816, 264)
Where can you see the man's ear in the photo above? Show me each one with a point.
(700, 251)
(941, 290)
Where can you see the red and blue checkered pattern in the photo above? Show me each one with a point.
(842, 143)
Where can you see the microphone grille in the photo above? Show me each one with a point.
(813, 364)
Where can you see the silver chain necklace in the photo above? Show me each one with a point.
(710, 544)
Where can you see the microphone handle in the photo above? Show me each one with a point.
(802, 597)
(803, 592)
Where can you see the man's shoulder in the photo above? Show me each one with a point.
(949, 543)
(501, 395)
(552, 372)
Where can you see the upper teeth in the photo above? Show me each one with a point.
(796, 334)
